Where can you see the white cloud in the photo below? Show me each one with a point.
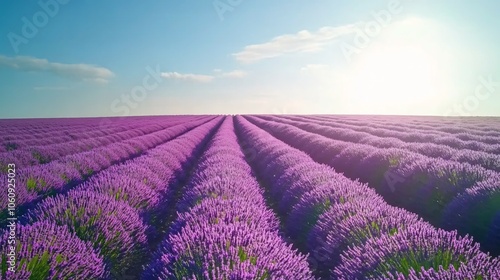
(307, 41)
(187, 77)
(302, 41)
(234, 74)
(83, 72)
(203, 78)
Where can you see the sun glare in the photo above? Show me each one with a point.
(389, 78)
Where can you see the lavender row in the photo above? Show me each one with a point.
(405, 179)
(37, 128)
(58, 135)
(12, 140)
(350, 232)
(53, 253)
(115, 229)
(476, 211)
(123, 201)
(34, 126)
(32, 155)
(37, 182)
(393, 177)
(25, 155)
(467, 139)
(483, 159)
(487, 126)
(224, 230)
(110, 214)
(56, 130)
(430, 149)
(45, 154)
(489, 160)
(144, 181)
(462, 139)
(441, 128)
(457, 126)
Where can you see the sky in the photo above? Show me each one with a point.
(67, 58)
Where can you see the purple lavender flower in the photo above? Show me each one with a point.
(113, 227)
(417, 251)
(313, 203)
(476, 212)
(218, 210)
(123, 188)
(223, 251)
(47, 251)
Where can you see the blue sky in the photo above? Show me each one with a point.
(67, 58)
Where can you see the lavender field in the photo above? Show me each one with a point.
(250, 197)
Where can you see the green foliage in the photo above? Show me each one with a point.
(413, 259)
(4, 167)
(39, 266)
(31, 184)
(11, 146)
(265, 275)
(59, 258)
(40, 158)
(36, 185)
(4, 265)
(65, 178)
(394, 161)
(242, 254)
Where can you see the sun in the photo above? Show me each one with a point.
(396, 78)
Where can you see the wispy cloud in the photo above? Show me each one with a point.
(307, 41)
(187, 77)
(303, 41)
(83, 72)
(203, 78)
(234, 74)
